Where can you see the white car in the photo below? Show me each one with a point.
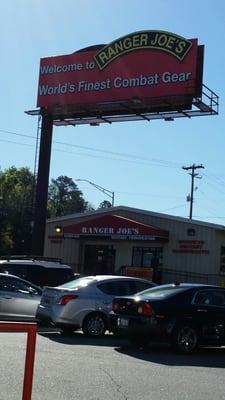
(86, 302)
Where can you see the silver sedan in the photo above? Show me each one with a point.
(19, 299)
(86, 302)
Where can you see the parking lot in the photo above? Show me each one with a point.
(77, 367)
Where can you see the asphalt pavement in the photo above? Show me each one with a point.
(76, 367)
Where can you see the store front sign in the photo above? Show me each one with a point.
(191, 247)
(139, 272)
(115, 227)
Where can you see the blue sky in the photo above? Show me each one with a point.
(140, 161)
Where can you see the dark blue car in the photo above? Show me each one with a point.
(185, 315)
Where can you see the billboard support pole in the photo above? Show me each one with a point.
(41, 197)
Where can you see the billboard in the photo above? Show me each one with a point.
(142, 67)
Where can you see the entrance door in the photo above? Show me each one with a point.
(99, 260)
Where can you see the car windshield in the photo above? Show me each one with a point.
(77, 283)
(161, 292)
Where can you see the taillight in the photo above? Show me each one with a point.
(145, 309)
(65, 299)
(115, 305)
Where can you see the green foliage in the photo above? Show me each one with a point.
(105, 204)
(16, 189)
(65, 198)
(16, 206)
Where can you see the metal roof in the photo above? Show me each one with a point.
(113, 210)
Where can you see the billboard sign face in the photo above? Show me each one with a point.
(142, 65)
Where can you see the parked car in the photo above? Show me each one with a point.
(42, 271)
(19, 299)
(185, 315)
(86, 302)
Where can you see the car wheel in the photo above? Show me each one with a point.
(94, 325)
(185, 338)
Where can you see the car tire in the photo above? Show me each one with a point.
(185, 338)
(94, 324)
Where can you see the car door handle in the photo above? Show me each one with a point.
(7, 297)
(202, 310)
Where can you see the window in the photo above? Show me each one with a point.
(10, 284)
(44, 276)
(15, 269)
(38, 274)
(115, 288)
(163, 292)
(124, 287)
(210, 297)
(140, 286)
(77, 283)
(147, 256)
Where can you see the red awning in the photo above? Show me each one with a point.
(115, 227)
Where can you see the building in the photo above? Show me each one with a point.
(131, 241)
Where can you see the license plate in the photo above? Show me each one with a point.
(123, 322)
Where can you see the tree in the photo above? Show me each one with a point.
(16, 206)
(16, 193)
(65, 198)
(105, 204)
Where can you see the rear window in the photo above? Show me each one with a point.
(39, 275)
(49, 276)
(123, 287)
(14, 269)
(77, 283)
(161, 293)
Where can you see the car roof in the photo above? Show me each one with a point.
(115, 277)
(188, 285)
(45, 264)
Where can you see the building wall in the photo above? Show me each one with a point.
(72, 250)
(202, 263)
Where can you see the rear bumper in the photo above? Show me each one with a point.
(139, 326)
(43, 316)
(53, 316)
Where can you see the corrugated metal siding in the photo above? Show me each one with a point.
(202, 263)
(72, 250)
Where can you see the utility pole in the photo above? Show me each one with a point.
(194, 175)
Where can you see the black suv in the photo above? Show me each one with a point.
(42, 271)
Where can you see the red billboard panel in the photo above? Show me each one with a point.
(142, 65)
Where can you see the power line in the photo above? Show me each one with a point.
(165, 163)
(92, 155)
(213, 185)
(173, 208)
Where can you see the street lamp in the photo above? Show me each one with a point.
(105, 191)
